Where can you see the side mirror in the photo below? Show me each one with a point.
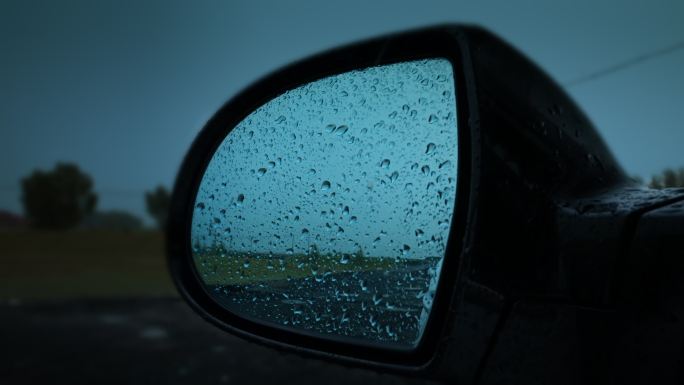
(399, 204)
(326, 211)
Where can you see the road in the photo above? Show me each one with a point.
(384, 306)
(146, 341)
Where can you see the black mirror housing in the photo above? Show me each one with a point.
(539, 234)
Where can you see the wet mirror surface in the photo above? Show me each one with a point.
(327, 209)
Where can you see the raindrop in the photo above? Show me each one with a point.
(261, 171)
(394, 176)
(344, 259)
(430, 148)
(425, 169)
(445, 163)
(433, 118)
(325, 185)
(341, 130)
(240, 198)
(385, 163)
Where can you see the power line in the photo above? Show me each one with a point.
(625, 64)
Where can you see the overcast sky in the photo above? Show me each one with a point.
(122, 87)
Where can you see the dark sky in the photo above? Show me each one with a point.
(122, 87)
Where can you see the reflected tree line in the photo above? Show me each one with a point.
(63, 198)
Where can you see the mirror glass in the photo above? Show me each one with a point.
(327, 210)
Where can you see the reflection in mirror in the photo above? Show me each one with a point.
(326, 211)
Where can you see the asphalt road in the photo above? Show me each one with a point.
(383, 306)
(146, 341)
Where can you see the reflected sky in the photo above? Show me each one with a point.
(363, 160)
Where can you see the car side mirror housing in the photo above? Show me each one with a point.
(401, 204)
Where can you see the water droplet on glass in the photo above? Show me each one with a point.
(433, 118)
(394, 176)
(341, 130)
(240, 198)
(385, 163)
(430, 148)
(261, 171)
(425, 169)
(325, 185)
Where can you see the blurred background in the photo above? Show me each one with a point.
(100, 100)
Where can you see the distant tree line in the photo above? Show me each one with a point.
(668, 178)
(64, 198)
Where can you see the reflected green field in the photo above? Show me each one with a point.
(220, 267)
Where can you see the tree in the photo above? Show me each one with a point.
(158, 202)
(58, 199)
(668, 178)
